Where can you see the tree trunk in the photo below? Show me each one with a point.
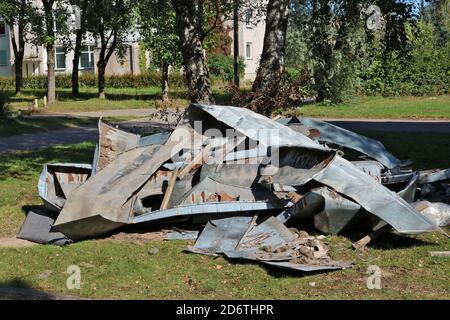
(50, 30)
(76, 64)
(18, 61)
(19, 52)
(270, 68)
(236, 42)
(101, 79)
(51, 81)
(194, 64)
(165, 82)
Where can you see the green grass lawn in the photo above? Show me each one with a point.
(383, 108)
(126, 98)
(112, 269)
(131, 98)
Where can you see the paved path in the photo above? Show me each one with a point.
(350, 124)
(442, 126)
(138, 113)
(80, 134)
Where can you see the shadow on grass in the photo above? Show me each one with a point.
(221, 97)
(25, 165)
(395, 241)
(18, 289)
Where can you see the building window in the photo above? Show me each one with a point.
(249, 50)
(248, 18)
(3, 58)
(60, 58)
(87, 57)
(2, 28)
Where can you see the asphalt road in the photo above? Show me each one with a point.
(80, 134)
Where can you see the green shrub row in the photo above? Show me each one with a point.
(90, 80)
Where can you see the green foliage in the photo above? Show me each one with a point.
(157, 27)
(408, 55)
(221, 66)
(428, 72)
(90, 80)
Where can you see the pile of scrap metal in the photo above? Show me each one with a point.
(250, 180)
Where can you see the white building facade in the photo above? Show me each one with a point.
(35, 58)
(251, 39)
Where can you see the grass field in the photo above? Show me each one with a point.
(383, 108)
(20, 125)
(112, 269)
(129, 98)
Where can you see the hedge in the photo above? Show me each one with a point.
(64, 81)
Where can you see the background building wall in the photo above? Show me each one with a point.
(5, 47)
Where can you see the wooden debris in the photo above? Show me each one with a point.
(170, 186)
(362, 243)
(440, 253)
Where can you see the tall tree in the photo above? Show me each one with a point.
(80, 28)
(270, 67)
(48, 39)
(110, 22)
(236, 6)
(19, 15)
(190, 16)
(157, 28)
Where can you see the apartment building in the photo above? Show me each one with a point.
(251, 39)
(35, 58)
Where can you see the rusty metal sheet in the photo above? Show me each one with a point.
(209, 190)
(264, 239)
(58, 180)
(112, 142)
(110, 194)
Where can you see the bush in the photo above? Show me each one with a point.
(222, 66)
(64, 81)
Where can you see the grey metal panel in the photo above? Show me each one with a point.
(214, 209)
(337, 213)
(223, 234)
(409, 193)
(182, 235)
(434, 176)
(346, 179)
(47, 180)
(38, 227)
(257, 127)
(336, 135)
(158, 138)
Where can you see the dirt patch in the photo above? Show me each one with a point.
(11, 243)
(138, 238)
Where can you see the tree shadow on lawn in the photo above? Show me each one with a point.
(24, 165)
(18, 289)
